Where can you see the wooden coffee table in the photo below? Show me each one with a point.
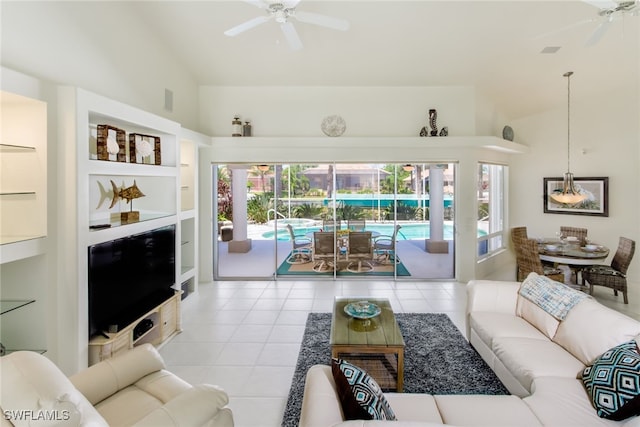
(375, 345)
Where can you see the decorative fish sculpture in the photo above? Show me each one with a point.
(127, 194)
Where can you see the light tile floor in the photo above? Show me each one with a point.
(245, 336)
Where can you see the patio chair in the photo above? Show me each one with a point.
(360, 252)
(356, 224)
(301, 247)
(612, 276)
(528, 260)
(580, 233)
(385, 247)
(331, 225)
(324, 251)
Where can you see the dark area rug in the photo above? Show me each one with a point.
(437, 359)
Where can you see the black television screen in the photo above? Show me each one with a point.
(130, 276)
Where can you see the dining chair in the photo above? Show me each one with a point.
(517, 234)
(331, 225)
(580, 233)
(300, 247)
(356, 224)
(612, 276)
(385, 247)
(324, 251)
(360, 252)
(528, 260)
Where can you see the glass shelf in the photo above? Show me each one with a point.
(10, 305)
(11, 148)
(18, 193)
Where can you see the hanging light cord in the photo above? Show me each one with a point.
(568, 76)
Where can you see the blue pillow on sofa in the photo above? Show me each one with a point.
(360, 395)
(613, 382)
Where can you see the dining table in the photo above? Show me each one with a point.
(572, 254)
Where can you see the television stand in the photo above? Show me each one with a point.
(165, 319)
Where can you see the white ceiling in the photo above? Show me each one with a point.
(492, 45)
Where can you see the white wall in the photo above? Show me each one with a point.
(61, 42)
(368, 111)
(607, 129)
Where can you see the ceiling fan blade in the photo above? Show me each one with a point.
(598, 32)
(602, 4)
(291, 3)
(291, 35)
(322, 20)
(247, 25)
(258, 3)
(563, 29)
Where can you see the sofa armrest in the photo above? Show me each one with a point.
(492, 296)
(198, 406)
(320, 403)
(105, 378)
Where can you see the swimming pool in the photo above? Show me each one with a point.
(409, 231)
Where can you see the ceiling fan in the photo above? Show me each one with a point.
(610, 10)
(282, 12)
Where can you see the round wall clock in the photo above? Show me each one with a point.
(333, 125)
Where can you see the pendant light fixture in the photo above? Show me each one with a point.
(569, 194)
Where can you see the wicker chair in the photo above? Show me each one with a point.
(580, 233)
(528, 260)
(360, 252)
(301, 248)
(517, 234)
(615, 275)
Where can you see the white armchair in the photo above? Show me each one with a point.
(133, 389)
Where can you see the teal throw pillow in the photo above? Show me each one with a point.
(613, 382)
(360, 395)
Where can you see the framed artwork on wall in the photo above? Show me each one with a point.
(596, 203)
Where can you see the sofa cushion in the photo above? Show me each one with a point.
(489, 326)
(528, 359)
(534, 314)
(360, 395)
(485, 410)
(563, 402)
(414, 407)
(128, 406)
(607, 328)
(31, 382)
(613, 382)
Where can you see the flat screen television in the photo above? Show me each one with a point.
(130, 276)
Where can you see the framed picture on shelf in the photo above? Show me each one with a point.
(595, 204)
(111, 143)
(144, 149)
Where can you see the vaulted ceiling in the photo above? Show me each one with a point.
(496, 46)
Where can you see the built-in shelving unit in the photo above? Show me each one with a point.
(23, 222)
(189, 143)
(155, 173)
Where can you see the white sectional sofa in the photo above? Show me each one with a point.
(539, 359)
(131, 389)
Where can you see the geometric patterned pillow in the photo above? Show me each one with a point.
(360, 395)
(613, 382)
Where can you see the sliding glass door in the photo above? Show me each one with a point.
(324, 221)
